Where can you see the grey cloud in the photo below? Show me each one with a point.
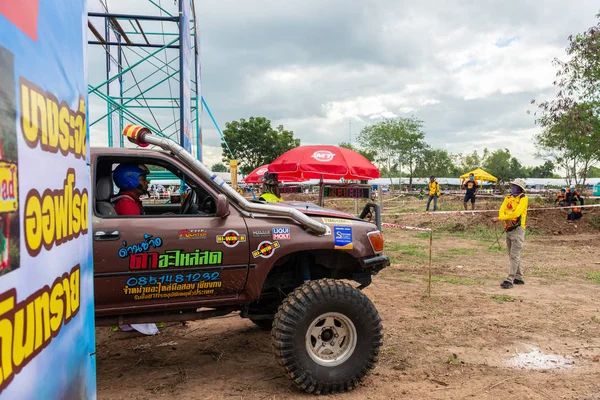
(398, 53)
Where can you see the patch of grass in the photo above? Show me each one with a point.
(593, 276)
(414, 253)
(458, 251)
(531, 231)
(551, 272)
(422, 235)
(503, 298)
(454, 360)
(455, 280)
(403, 247)
(469, 232)
(414, 250)
(496, 249)
(433, 299)
(595, 319)
(484, 233)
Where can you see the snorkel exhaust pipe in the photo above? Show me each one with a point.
(143, 137)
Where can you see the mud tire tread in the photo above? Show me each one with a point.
(296, 308)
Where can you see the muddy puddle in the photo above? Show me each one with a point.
(534, 358)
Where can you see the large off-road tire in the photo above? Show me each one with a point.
(327, 335)
(263, 324)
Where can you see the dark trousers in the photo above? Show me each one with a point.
(434, 198)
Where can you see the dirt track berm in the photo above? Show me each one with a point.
(285, 266)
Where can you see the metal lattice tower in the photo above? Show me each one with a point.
(151, 69)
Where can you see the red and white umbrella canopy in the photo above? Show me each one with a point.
(255, 177)
(327, 162)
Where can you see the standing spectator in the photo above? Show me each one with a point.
(270, 188)
(513, 213)
(472, 188)
(434, 192)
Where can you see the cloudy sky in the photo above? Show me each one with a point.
(326, 68)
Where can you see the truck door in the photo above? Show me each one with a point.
(168, 260)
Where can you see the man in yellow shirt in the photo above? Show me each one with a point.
(270, 189)
(513, 213)
(434, 192)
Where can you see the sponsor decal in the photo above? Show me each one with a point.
(281, 234)
(136, 248)
(173, 285)
(265, 249)
(342, 237)
(323, 155)
(217, 179)
(261, 171)
(231, 238)
(175, 259)
(192, 234)
(259, 234)
(337, 221)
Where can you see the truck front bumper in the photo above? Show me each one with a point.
(375, 263)
(370, 266)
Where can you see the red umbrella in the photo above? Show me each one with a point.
(326, 162)
(255, 176)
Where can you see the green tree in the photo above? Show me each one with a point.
(503, 166)
(368, 154)
(254, 142)
(396, 142)
(594, 172)
(435, 162)
(471, 161)
(570, 123)
(218, 168)
(573, 142)
(545, 170)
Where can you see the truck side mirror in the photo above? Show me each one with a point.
(222, 206)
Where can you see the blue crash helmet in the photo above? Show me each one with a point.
(127, 176)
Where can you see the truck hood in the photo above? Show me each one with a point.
(313, 209)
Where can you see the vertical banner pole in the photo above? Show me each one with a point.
(233, 170)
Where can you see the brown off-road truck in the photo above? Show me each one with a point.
(285, 266)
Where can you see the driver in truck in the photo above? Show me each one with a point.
(132, 181)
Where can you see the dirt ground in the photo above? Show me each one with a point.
(470, 339)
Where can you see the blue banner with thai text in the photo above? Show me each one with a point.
(47, 347)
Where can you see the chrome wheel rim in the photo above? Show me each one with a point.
(331, 339)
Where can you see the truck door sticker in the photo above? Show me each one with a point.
(140, 247)
(231, 238)
(281, 234)
(265, 249)
(173, 285)
(174, 258)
